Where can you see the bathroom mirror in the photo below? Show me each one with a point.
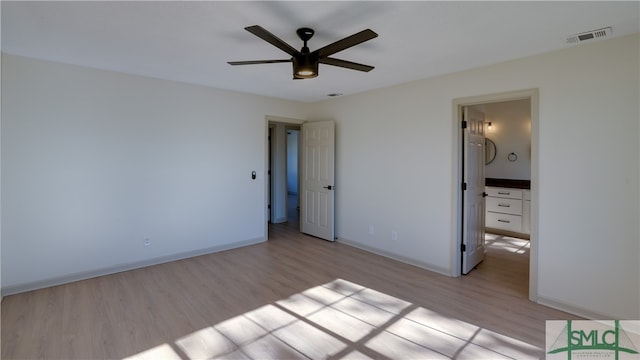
(490, 151)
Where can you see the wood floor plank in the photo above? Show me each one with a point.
(166, 308)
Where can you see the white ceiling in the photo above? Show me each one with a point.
(192, 41)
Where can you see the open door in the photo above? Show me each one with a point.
(317, 179)
(473, 194)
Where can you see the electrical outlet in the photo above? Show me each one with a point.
(394, 235)
(147, 241)
(372, 231)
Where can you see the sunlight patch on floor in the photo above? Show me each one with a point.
(163, 351)
(342, 320)
(510, 244)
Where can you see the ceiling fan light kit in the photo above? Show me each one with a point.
(304, 67)
(305, 62)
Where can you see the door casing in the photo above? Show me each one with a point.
(458, 104)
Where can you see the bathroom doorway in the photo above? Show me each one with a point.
(514, 167)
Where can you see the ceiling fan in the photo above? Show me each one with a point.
(305, 62)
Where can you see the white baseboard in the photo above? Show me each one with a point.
(393, 256)
(556, 304)
(575, 310)
(15, 289)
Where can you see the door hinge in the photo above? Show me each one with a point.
(269, 206)
(464, 186)
(463, 247)
(464, 124)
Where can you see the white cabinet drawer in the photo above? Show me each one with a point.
(504, 192)
(504, 221)
(507, 206)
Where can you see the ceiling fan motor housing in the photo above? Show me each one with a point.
(305, 67)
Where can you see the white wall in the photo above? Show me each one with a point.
(395, 170)
(94, 162)
(511, 132)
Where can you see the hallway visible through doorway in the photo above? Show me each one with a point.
(283, 163)
(293, 211)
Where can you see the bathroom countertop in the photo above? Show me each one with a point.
(508, 183)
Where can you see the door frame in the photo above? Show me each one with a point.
(457, 107)
(270, 119)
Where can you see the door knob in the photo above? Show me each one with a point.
(329, 187)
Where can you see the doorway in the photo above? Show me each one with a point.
(293, 194)
(283, 161)
(482, 102)
(316, 175)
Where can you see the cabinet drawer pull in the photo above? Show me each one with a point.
(504, 192)
(504, 205)
(504, 221)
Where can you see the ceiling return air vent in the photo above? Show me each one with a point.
(589, 35)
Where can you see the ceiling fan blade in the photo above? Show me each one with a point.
(346, 64)
(253, 62)
(265, 35)
(345, 43)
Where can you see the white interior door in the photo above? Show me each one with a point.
(317, 179)
(473, 197)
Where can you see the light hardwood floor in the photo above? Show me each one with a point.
(292, 297)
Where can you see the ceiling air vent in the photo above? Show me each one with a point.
(589, 35)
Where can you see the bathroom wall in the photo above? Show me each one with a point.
(511, 132)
